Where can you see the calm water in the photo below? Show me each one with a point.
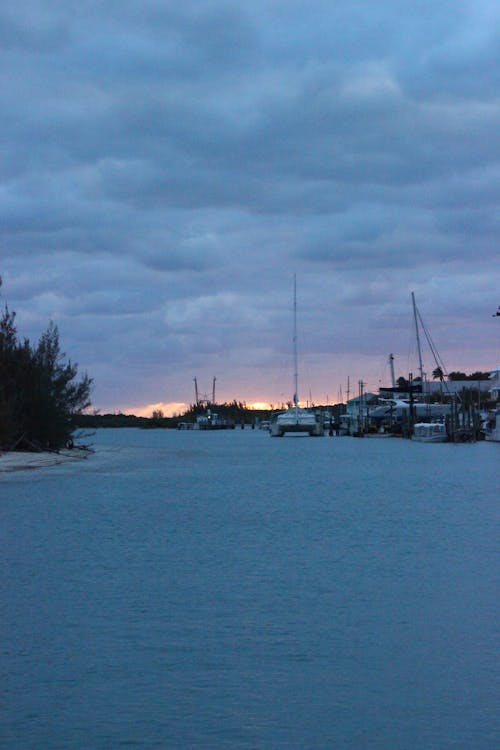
(229, 590)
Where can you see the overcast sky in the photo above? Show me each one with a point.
(166, 168)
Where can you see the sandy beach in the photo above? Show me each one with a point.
(22, 461)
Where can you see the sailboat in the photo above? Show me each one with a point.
(295, 419)
(432, 431)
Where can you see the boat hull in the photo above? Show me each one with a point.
(430, 432)
(492, 431)
(296, 421)
(431, 439)
(493, 436)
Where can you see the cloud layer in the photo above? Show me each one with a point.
(166, 168)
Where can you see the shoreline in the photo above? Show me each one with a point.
(25, 461)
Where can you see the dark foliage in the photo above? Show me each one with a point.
(39, 392)
(94, 421)
(462, 376)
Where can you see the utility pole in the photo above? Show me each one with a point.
(360, 411)
(196, 391)
(411, 413)
(391, 365)
(213, 390)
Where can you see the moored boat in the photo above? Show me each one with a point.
(212, 421)
(430, 432)
(295, 419)
(492, 426)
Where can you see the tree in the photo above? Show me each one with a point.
(57, 396)
(479, 375)
(438, 374)
(9, 365)
(39, 393)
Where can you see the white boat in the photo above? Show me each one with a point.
(296, 419)
(430, 432)
(492, 427)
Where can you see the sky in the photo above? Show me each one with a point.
(167, 167)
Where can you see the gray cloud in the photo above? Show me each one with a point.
(167, 168)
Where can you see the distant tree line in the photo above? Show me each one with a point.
(39, 390)
(96, 420)
(438, 374)
(474, 376)
(235, 411)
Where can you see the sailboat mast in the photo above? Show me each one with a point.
(295, 357)
(420, 367)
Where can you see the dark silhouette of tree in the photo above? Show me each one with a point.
(479, 375)
(11, 371)
(39, 392)
(438, 374)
